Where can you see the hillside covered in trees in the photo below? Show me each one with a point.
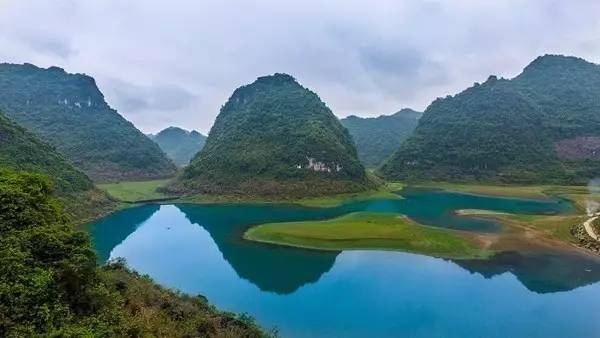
(376, 138)
(541, 126)
(275, 137)
(21, 150)
(179, 144)
(50, 285)
(69, 112)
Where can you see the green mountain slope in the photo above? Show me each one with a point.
(50, 285)
(179, 144)
(541, 126)
(22, 150)
(68, 111)
(376, 138)
(275, 137)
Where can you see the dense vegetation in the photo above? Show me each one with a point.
(21, 150)
(50, 284)
(69, 112)
(541, 126)
(376, 138)
(24, 151)
(179, 144)
(275, 137)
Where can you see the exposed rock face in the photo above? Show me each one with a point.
(315, 165)
(585, 241)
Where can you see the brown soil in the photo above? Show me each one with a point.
(517, 237)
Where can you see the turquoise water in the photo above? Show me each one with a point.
(198, 249)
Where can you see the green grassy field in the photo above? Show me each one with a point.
(554, 226)
(365, 230)
(579, 195)
(522, 191)
(135, 191)
(384, 231)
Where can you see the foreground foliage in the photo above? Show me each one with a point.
(264, 141)
(50, 284)
(21, 150)
(69, 112)
(540, 127)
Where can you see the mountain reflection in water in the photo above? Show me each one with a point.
(199, 249)
(283, 269)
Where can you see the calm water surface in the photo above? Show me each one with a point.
(198, 249)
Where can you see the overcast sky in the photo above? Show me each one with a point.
(162, 63)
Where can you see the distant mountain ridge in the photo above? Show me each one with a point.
(179, 144)
(69, 111)
(275, 137)
(541, 126)
(376, 138)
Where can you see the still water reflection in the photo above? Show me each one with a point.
(198, 249)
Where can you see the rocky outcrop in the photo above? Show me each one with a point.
(584, 240)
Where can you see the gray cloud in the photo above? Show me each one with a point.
(57, 48)
(161, 63)
(132, 97)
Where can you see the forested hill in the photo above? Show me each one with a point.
(542, 126)
(179, 144)
(22, 150)
(275, 137)
(69, 111)
(376, 138)
(50, 285)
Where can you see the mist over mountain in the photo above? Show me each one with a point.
(376, 138)
(541, 126)
(275, 137)
(179, 144)
(69, 111)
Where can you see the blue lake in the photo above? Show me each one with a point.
(198, 249)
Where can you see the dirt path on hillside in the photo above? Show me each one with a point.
(589, 229)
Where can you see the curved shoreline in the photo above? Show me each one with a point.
(588, 227)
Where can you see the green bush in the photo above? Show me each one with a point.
(50, 284)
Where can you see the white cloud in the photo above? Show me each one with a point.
(175, 63)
